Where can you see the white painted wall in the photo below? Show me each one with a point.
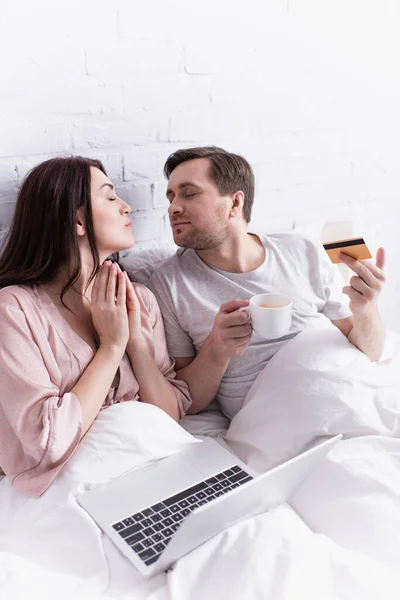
(307, 90)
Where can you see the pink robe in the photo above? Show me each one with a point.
(41, 359)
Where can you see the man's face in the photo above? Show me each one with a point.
(198, 214)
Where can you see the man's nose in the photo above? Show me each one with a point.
(174, 207)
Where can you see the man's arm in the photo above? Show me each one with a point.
(230, 336)
(366, 333)
(203, 374)
(365, 328)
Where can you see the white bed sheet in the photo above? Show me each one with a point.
(338, 539)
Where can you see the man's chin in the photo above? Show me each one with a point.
(182, 241)
(195, 241)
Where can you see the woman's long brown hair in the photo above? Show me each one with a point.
(43, 232)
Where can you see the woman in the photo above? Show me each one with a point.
(75, 334)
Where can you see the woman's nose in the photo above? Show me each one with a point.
(126, 209)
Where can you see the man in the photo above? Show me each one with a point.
(220, 266)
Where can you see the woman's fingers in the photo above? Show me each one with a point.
(103, 276)
(121, 294)
(110, 284)
(131, 296)
(95, 287)
(101, 282)
(120, 282)
(109, 313)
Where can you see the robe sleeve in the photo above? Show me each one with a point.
(39, 428)
(163, 360)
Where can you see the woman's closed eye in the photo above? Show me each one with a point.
(112, 198)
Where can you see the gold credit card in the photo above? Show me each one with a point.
(354, 247)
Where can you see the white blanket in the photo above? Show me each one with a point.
(338, 539)
(318, 384)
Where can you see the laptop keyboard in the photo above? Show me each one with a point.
(149, 531)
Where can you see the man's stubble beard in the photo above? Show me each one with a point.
(202, 240)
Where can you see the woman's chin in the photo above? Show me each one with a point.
(127, 245)
(124, 244)
(133, 242)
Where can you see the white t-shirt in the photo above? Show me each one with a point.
(190, 294)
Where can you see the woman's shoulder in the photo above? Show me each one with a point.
(17, 295)
(20, 303)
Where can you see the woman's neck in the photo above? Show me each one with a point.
(78, 296)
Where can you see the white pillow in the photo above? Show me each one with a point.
(123, 437)
(140, 262)
(317, 385)
(353, 498)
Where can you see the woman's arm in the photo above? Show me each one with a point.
(154, 371)
(40, 428)
(95, 383)
(154, 388)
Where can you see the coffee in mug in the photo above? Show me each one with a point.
(270, 315)
(271, 305)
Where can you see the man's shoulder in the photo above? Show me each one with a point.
(175, 265)
(289, 241)
(287, 237)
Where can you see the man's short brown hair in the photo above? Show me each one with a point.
(231, 172)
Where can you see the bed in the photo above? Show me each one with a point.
(336, 539)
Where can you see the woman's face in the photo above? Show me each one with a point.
(112, 226)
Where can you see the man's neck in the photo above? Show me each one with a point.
(240, 253)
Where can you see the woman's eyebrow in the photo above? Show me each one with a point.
(110, 185)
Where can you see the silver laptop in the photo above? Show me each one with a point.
(158, 513)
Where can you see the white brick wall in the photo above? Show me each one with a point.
(307, 90)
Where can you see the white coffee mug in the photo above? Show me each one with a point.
(270, 314)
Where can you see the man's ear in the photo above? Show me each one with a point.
(80, 223)
(237, 204)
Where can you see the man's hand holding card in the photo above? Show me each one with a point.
(365, 328)
(368, 282)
